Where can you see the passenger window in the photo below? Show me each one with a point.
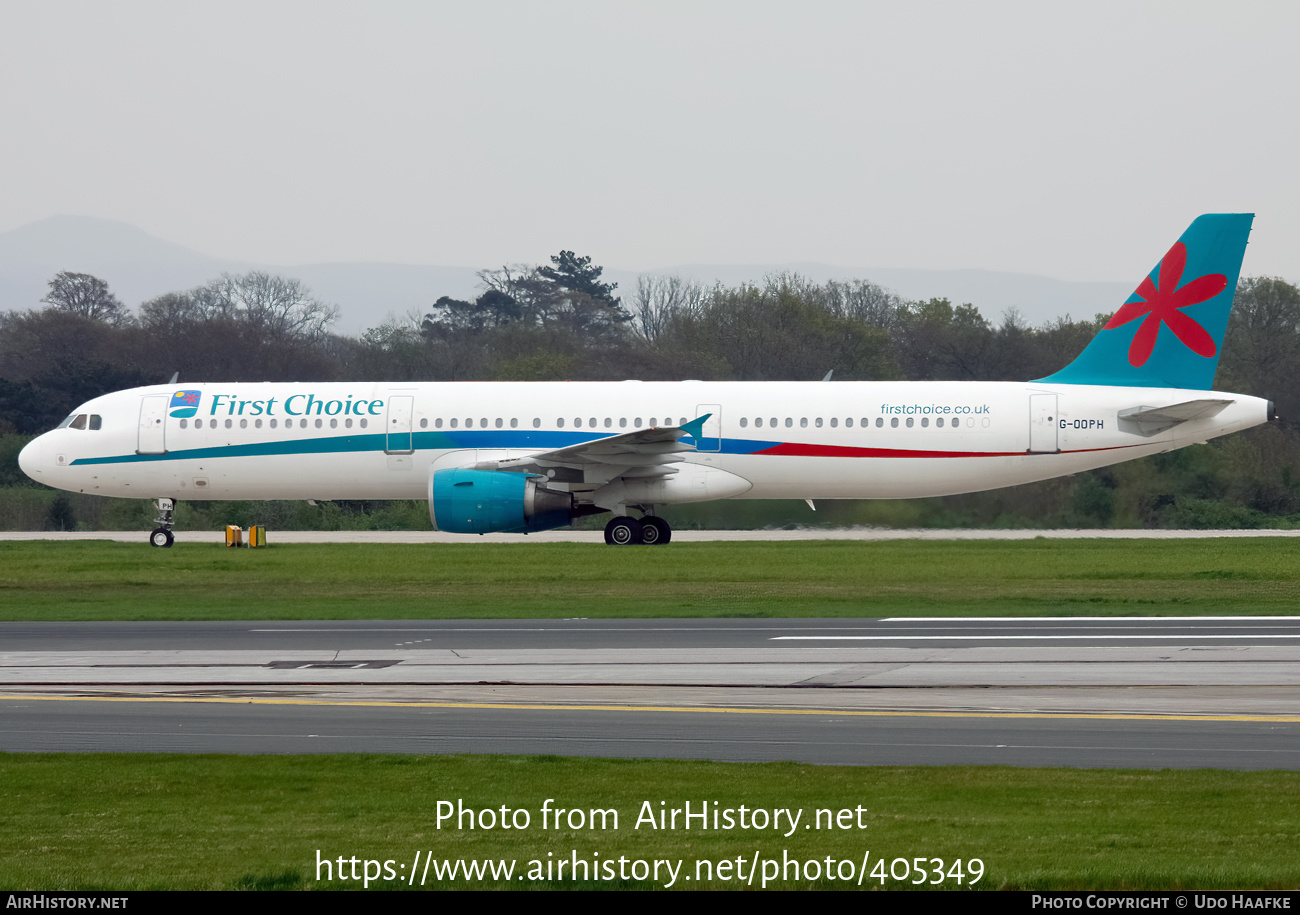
(257, 424)
(893, 422)
(424, 423)
(185, 423)
(334, 423)
(243, 424)
(198, 424)
(609, 423)
(818, 422)
(939, 422)
(500, 423)
(559, 423)
(437, 423)
(537, 422)
(319, 424)
(835, 421)
(514, 423)
(744, 422)
(273, 424)
(363, 423)
(593, 422)
(622, 422)
(347, 423)
(803, 422)
(577, 422)
(925, 422)
(910, 421)
(789, 422)
(454, 422)
(880, 421)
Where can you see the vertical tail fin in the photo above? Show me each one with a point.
(1169, 332)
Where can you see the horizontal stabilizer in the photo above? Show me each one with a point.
(1148, 421)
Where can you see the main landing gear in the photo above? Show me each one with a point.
(624, 530)
(162, 534)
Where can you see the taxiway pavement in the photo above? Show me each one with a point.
(1146, 692)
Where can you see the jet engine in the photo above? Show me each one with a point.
(486, 501)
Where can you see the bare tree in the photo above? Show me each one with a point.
(658, 300)
(84, 295)
(275, 306)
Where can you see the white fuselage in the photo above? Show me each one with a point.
(804, 440)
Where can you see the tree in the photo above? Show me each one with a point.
(659, 300)
(577, 274)
(939, 341)
(568, 295)
(1262, 346)
(277, 307)
(254, 325)
(84, 295)
(493, 308)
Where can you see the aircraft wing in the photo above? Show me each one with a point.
(1148, 421)
(643, 454)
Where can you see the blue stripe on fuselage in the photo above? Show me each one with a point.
(497, 439)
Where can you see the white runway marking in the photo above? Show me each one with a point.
(1007, 638)
(1066, 619)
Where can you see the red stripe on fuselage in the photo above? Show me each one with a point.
(798, 449)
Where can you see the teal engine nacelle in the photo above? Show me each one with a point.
(488, 501)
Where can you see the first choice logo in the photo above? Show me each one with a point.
(294, 405)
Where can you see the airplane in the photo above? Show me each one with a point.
(526, 457)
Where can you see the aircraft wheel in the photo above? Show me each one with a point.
(623, 531)
(655, 530)
(161, 537)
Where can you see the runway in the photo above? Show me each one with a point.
(1139, 692)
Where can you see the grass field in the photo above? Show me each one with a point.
(211, 822)
(193, 822)
(119, 581)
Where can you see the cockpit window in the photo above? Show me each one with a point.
(79, 422)
(67, 422)
(96, 422)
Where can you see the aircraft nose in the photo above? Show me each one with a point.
(32, 457)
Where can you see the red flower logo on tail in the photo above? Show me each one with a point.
(1162, 306)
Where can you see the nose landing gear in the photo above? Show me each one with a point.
(162, 534)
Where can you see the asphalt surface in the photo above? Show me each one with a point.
(1131, 692)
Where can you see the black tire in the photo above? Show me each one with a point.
(623, 531)
(161, 537)
(655, 531)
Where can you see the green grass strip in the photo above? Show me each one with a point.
(124, 822)
(119, 581)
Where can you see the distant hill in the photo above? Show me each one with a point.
(138, 266)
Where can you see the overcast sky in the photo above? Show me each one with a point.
(1074, 140)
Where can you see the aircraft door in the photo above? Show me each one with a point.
(153, 423)
(398, 438)
(1043, 418)
(711, 437)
